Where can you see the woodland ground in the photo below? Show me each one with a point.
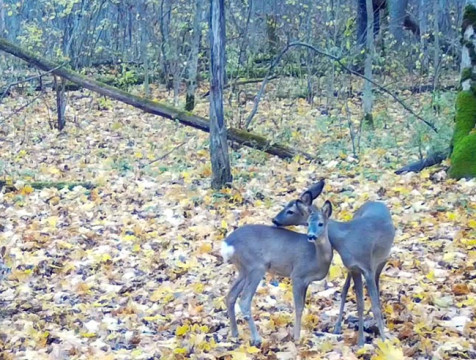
(131, 269)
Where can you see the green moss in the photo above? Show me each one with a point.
(463, 158)
(466, 73)
(469, 17)
(465, 115)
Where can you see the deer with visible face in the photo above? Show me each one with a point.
(258, 249)
(364, 244)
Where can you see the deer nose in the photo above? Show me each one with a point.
(276, 222)
(311, 237)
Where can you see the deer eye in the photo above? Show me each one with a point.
(290, 212)
(320, 224)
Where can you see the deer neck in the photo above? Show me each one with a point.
(324, 251)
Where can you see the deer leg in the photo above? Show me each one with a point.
(343, 296)
(375, 301)
(359, 294)
(377, 275)
(252, 281)
(235, 291)
(299, 294)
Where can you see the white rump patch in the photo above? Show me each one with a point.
(227, 251)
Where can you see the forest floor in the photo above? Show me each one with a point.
(131, 269)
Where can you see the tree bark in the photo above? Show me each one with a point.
(396, 9)
(242, 137)
(463, 156)
(221, 171)
(193, 64)
(369, 53)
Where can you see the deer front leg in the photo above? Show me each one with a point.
(299, 295)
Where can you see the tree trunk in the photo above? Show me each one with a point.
(396, 9)
(165, 15)
(221, 172)
(436, 46)
(377, 5)
(463, 157)
(2, 18)
(242, 137)
(369, 53)
(60, 102)
(193, 64)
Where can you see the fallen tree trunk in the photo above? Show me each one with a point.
(432, 159)
(45, 185)
(240, 136)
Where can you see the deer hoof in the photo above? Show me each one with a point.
(256, 343)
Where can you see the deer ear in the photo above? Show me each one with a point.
(306, 197)
(313, 192)
(327, 209)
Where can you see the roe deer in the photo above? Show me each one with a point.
(364, 244)
(257, 249)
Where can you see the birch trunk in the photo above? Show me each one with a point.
(221, 172)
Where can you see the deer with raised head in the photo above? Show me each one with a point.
(258, 249)
(363, 243)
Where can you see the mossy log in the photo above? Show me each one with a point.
(463, 156)
(153, 107)
(47, 184)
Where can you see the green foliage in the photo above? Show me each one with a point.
(465, 115)
(463, 158)
(122, 165)
(31, 37)
(104, 103)
(128, 77)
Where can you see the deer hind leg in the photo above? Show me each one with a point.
(252, 281)
(343, 296)
(235, 291)
(359, 294)
(377, 275)
(375, 301)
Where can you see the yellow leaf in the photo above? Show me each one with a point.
(431, 275)
(52, 220)
(127, 237)
(198, 288)
(88, 335)
(26, 190)
(388, 351)
(238, 355)
(54, 170)
(182, 330)
(21, 153)
(205, 248)
(252, 350)
(472, 223)
(451, 216)
(136, 248)
(105, 257)
(138, 155)
(180, 351)
(224, 224)
(154, 318)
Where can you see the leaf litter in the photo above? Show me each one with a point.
(131, 269)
